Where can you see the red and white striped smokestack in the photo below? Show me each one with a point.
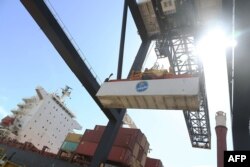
(221, 132)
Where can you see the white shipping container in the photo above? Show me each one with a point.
(177, 93)
(149, 17)
(209, 11)
(168, 6)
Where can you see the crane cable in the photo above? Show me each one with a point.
(70, 37)
(149, 51)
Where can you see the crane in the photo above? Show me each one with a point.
(173, 25)
(173, 30)
(55, 33)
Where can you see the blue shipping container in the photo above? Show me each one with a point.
(69, 146)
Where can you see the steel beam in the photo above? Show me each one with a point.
(111, 131)
(107, 140)
(140, 57)
(227, 23)
(241, 90)
(138, 19)
(45, 19)
(58, 38)
(198, 123)
(177, 43)
(122, 41)
(180, 51)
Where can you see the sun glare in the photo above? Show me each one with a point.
(212, 51)
(213, 45)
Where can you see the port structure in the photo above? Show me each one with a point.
(236, 14)
(175, 37)
(179, 41)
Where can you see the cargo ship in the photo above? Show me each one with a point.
(42, 120)
(40, 133)
(130, 149)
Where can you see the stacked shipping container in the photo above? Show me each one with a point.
(129, 149)
(151, 162)
(70, 144)
(7, 121)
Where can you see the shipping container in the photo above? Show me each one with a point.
(208, 11)
(135, 133)
(121, 155)
(145, 144)
(86, 148)
(144, 158)
(146, 148)
(149, 17)
(180, 94)
(151, 162)
(143, 141)
(73, 137)
(130, 146)
(100, 128)
(69, 146)
(118, 155)
(140, 154)
(136, 150)
(7, 121)
(92, 136)
(126, 137)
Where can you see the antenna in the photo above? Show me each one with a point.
(65, 93)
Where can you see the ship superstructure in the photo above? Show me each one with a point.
(42, 120)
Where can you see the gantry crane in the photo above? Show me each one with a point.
(173, 25)
(178, 30)
(174, 30)
(177, 43)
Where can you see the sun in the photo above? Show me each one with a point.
(211, 48)
(213, 44)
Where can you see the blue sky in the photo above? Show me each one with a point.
(28, 59)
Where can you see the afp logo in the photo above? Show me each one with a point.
(141, 86)
(236, 158)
